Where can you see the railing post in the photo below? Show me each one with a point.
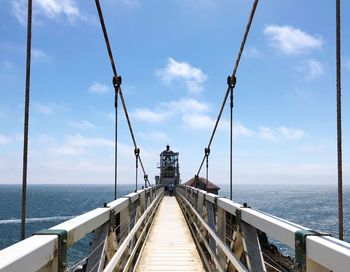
(124, 224)
(98, 251)
(211, 222)
(133, 210)
(221, 230)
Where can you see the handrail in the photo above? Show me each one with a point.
(238, 265)
(117, 256)
(41, 251)
(324, 252)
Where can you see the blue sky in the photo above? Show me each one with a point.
(174, 57)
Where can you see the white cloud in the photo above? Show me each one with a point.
(311, 68)
(241, 130)
(313, 148)
(267, 133)
(193, 77)
(18, 48)
(75, 159)
(99, 88)
(38, 54)
(281, 133)
(19, 10)
(197, 121)
(315, 68)
(78, 144)
(4, 140)
(252, 52)
(165, 110)
(291, 134)
(200, 121)
(186, 105)
(83, 124)
(194, 115)
(147, 115)
(49, 107)
(82, 141)
(43, 108)
(51, 9)
(155, 135)
(291, 40)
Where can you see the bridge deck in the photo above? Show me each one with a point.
(169, 246)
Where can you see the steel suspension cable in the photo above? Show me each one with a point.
(116, 144)
(339, 126)
(119, 89)
(207, 153)
(137, 154)
(26, 122)
(231, 138)
(231, 82)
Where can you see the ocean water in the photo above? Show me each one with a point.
(48, 205)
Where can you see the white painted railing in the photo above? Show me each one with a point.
(227, 232)
(117, 229)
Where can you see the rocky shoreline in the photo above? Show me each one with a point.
(273, 257)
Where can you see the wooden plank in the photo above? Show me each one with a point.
(169, 246)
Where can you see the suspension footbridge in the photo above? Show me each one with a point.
(174, 227)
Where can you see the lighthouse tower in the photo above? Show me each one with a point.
(169, 168)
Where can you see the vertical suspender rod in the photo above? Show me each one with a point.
(339, 126)
(26, 123)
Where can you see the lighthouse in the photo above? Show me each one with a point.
(169, 168)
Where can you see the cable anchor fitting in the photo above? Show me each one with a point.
(231, 82)
(117, 82)
(207, 151)
(137, 152)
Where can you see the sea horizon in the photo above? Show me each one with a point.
(139, 184)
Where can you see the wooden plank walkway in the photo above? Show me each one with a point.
(169, 246)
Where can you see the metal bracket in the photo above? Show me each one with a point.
(61, 245)
(238, 218)
(231, 82)
(117, 81)
(112, 219)
(112, 216)
(239, 215)
(129, 204)
(300, 247)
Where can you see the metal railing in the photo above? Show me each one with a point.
(118, 227)
(227, 235)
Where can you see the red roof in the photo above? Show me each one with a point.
(208, 184)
